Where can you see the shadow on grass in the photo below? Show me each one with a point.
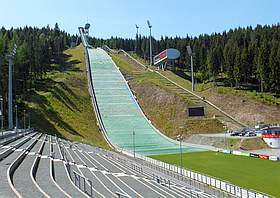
(41, 117)
(64, 64)
(59, 90)
(182, 74)
(46, 117)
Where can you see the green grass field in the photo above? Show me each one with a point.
(60, 104)
(257, 174)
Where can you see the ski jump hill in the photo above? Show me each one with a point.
(120, 117)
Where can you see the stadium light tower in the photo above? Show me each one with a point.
(10, 89)
(180, 138)
(150, 27)
(137, 28)
(190, 53)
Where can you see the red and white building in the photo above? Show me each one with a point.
(271, 135)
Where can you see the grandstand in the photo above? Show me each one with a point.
(40, 165)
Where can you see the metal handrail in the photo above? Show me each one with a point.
(77, 182)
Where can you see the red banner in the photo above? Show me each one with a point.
(270, 136)
(163, 55)
(264, 157)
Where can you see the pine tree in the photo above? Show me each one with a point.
(262, 65)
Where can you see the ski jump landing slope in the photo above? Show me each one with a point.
(123, 120)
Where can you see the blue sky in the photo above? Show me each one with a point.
(118, 17)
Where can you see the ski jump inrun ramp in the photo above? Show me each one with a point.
(121, 117)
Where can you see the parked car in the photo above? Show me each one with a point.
(236, 133)
(250, 134)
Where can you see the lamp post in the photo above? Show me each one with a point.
(24, 124)
(180, 138)
(190, 53)
(1, 113)
(16, 107)
(133, 134)
(136, 40)
(151, 55)
(225, 127)
(10, 89)
(29, 119)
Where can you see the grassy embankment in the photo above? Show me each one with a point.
(169, 115)
(61, 103)
(257, 174)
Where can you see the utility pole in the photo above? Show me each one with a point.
(10, 87)
(190, 53)
(151, 55)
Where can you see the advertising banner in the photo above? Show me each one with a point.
(265, 157)
(254, 155)
(236, 152)
(245, 154)
(273, 158)
(227, 151)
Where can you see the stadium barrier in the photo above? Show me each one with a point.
(209, 180)
(254, 155)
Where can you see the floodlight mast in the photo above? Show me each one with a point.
(10, 86)
(189, 49)
(137, 27)
(150, 26)
(136, 40)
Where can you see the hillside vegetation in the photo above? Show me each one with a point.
(163, 103)
(61, 103)
(245, 57)
(248, 106)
